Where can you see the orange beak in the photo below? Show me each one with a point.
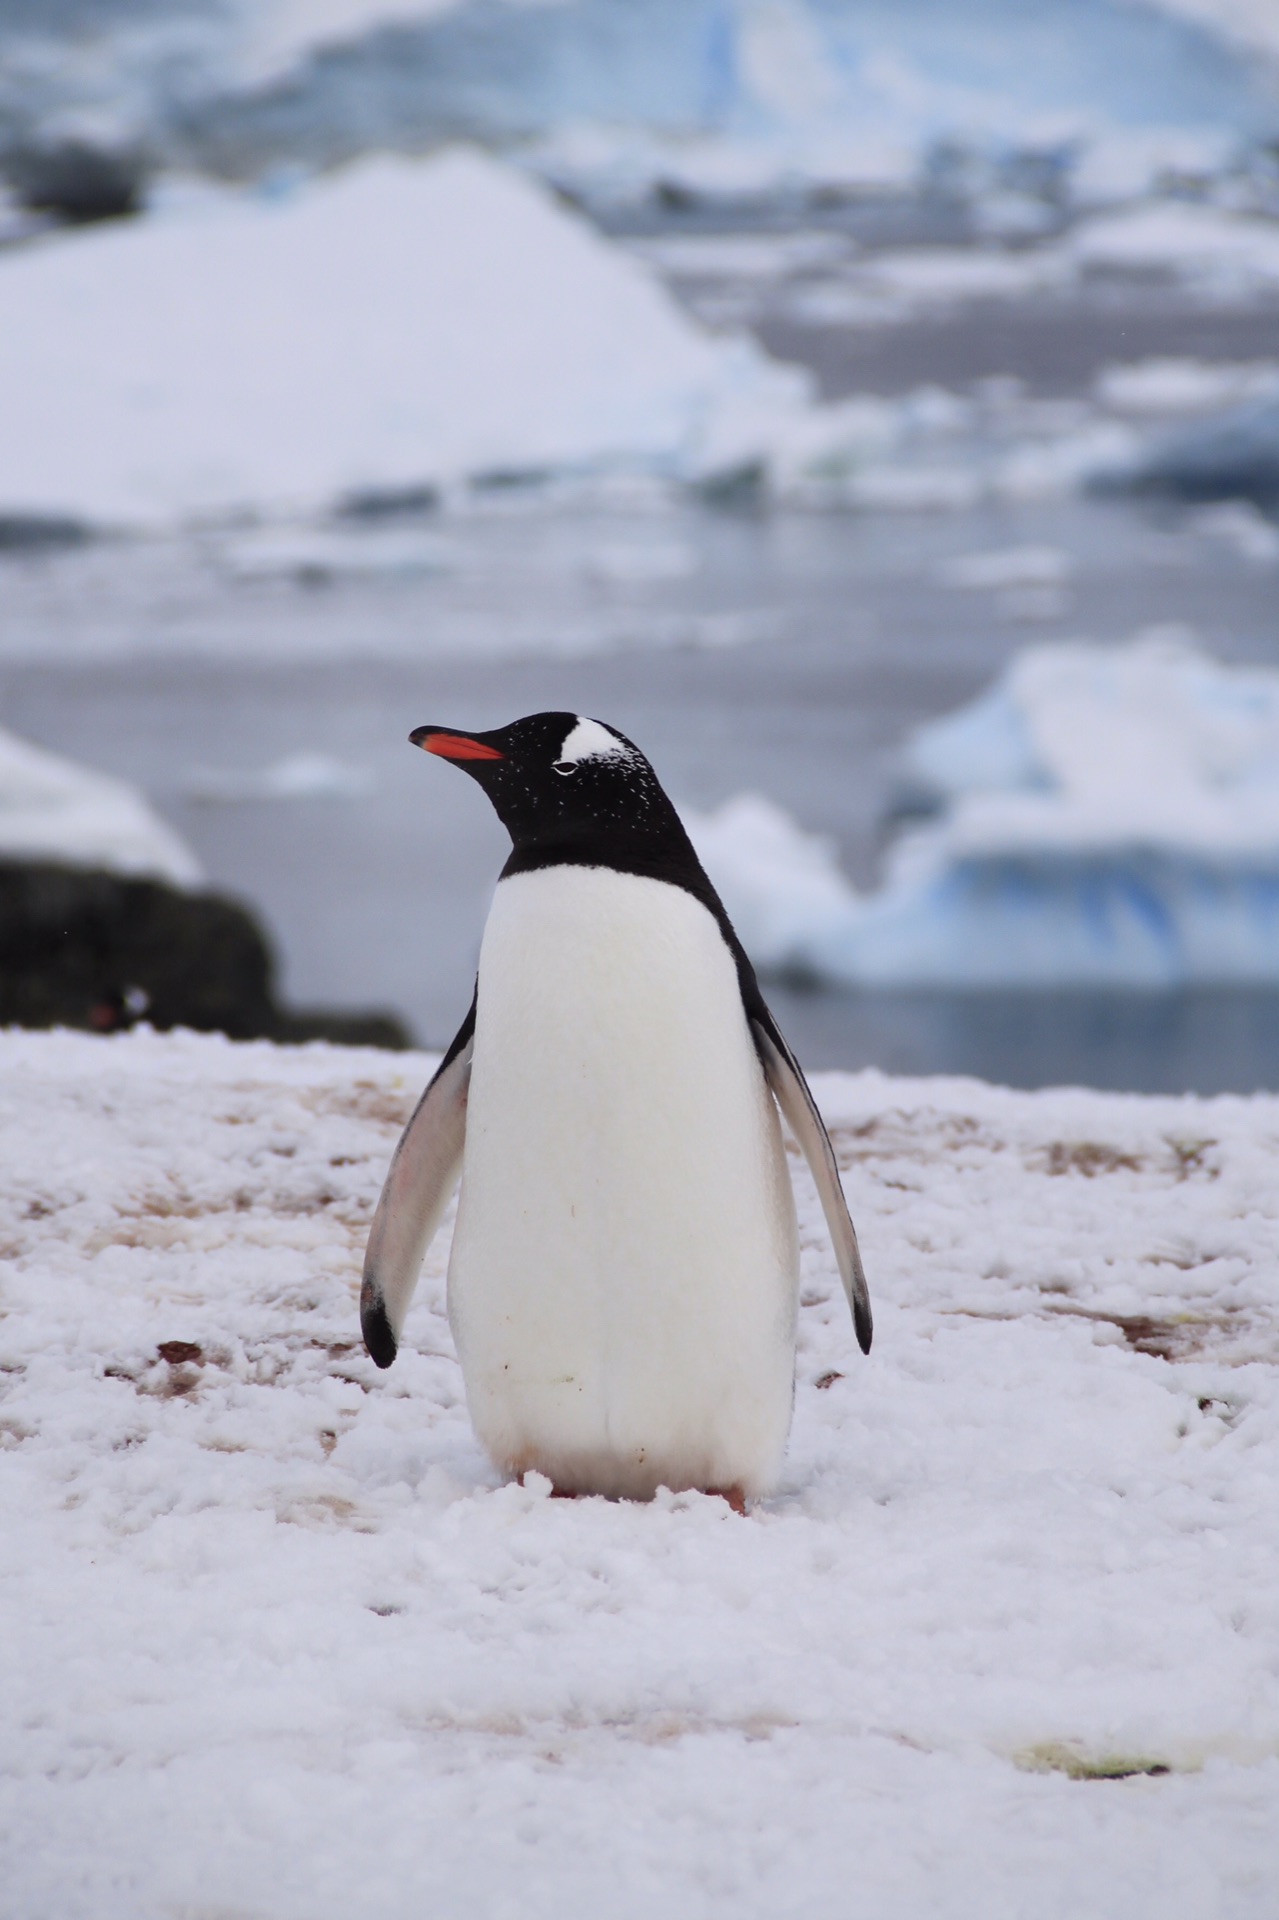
(453, 746)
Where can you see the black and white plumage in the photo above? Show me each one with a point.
(624, 1270)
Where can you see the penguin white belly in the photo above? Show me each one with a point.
(624, 1272)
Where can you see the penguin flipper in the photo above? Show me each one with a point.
(419, 1186)
(799, 1109)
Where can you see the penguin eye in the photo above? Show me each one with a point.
(564, 766)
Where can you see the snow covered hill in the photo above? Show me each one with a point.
(276, 1644)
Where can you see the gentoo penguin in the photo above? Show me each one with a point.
(623, 1279)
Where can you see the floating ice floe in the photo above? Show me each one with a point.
(1104, 817)
(1227, 456)
(53, 810)
(1242, 527)
(1224, 447)
(1213, 250)
(1180, 384)
(298, 776)
(1213, 246)
(401, 325)
(313, 555)
(1009, 567)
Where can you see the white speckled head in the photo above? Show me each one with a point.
(588, 740)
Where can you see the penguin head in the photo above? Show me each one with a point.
(561, 780)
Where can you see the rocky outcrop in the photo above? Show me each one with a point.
(81, 948)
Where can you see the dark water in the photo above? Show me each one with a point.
(1208, 1040)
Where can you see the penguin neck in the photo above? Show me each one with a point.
(666, 859)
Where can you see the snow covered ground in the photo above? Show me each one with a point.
(277, 1644)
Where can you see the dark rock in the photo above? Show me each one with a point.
(77, 182)
(38, 532)
(179, 1352)
(389, 503)
(93, 950)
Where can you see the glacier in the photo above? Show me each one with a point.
(1100, 817)
(785, 89)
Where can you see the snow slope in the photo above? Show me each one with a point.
(397, 325)
(1104, 817)
(276, 1644)
(53, 809)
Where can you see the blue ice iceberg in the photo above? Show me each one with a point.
(1105, 817)
(1229, 456)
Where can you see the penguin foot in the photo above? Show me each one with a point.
(734, 1496)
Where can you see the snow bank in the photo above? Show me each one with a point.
(53, 809)
(1106, 817)
(275, 1642)
(399, 325)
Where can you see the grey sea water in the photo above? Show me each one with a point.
(747, 649)
(780, 653)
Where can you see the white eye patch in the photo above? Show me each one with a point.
(590, 741)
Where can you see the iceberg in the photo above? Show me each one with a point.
(400, 326)
(782, 887)
(1100, 817)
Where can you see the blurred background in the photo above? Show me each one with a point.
(869, 406)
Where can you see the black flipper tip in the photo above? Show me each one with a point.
(863, 1327)
(378, 1335)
